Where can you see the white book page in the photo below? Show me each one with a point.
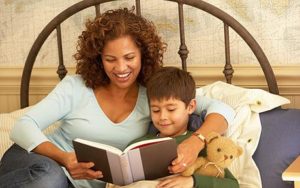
(126, 169)
(99, 145)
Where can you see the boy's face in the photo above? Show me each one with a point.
(170, 116)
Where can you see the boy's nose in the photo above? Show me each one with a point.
(163, 115)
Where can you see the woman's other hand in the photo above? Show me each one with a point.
(189, 149)
(80, 170)
(187, 152)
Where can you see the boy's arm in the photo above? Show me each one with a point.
(228, 181)
(198, 181)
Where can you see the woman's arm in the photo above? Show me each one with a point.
(28, 134)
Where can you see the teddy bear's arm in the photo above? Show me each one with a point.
(196, 165)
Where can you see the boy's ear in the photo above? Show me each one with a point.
(192, 106)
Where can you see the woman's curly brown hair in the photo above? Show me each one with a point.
(109, 26)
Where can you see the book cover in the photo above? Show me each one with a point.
(144, 160)
(292, 173)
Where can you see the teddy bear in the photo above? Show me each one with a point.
(220, 152)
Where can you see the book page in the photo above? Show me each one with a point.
(135, 161)
(126, 169)
(144, 143)
(99, 145)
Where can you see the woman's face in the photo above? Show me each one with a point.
(122, 61)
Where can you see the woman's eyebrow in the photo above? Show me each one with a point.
(108, 55)
(130, 53)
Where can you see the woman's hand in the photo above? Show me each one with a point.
(79, 170)
(176, 182)
(69, 161)
(189, 149)
(187, 153)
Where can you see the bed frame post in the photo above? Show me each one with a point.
(61, 70)
(183, 51)
(138, 7)
(228, 70)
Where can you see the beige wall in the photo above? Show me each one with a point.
(273, 23)
(249, 76)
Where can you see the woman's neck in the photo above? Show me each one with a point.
(120, 93)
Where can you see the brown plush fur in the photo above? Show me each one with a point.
(221, 151)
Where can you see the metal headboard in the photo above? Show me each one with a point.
(228, 21)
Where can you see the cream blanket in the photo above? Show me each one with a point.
(246, 127)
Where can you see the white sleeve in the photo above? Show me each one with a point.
(27, 132)
(214, 106)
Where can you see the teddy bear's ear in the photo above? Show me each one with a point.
(212, 136)
(240, 150)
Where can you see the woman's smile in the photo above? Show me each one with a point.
(122, 61)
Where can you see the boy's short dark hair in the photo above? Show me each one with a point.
(170, 82)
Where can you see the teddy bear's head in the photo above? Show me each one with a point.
(221, 150)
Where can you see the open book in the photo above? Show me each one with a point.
(144, 160)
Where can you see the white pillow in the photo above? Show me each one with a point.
(7, 121)
(235, 96)
(245, 129)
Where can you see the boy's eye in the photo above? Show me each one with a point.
(155, 110)
(171, 109)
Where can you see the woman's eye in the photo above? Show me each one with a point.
(130, 58)
(171, 109)
(109, 60)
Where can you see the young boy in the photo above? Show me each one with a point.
(171, 93)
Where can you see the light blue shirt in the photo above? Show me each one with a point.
(76, 106)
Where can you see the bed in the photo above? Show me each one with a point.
(279, 141)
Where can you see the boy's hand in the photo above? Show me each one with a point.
(176, 182)
(80, 170)
(187, 152)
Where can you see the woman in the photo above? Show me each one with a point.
(105, 102)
